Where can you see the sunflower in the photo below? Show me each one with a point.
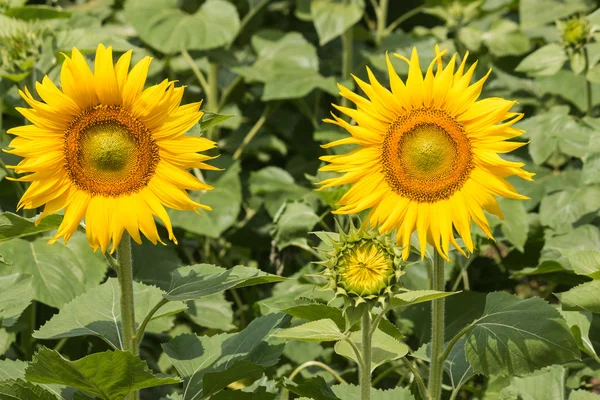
(360, 265)
(427, 156)
(106, 150)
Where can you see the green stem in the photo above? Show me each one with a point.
(365, 370)
(27, 341)
(401, 19)
(418, 378)
(192, 64)
(251, 13)
(142, 328)
(455, 339)
(125, 277)
(346, 60)
(381, 21)
(227, 92)
(285, 394)
(437, 329)
(588, 84)
(213, 96)
(254, 130)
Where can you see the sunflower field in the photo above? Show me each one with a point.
(300, 199)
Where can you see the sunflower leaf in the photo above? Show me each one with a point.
(16, 293)
(195, 357)
(516, 336)
(97, 312)
(323, 330)
(417, 296)
(202, 280)
(110, 375)
(164, 26)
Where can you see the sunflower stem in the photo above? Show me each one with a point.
(437, 329)
(285, 394)
(365, 369)
(382, 12)
(213, 96)
(346, 60)
(254, 130)
(588, 84)
(125, 277)
(418, 378)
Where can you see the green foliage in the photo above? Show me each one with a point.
(235, 307)
(110, 375)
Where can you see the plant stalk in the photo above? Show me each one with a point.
(365, 369)
(254, 130)
(588, 84)
(347, 57)
(125, 277)
(437, 329)
(382, 12)
(418, 378)
(213, 96)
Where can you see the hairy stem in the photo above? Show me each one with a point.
(418, 378)
(213, 96)
(381, 21)
(346, 60)
(285, 394)
(125, 277)
(437, 329)
(365, 369)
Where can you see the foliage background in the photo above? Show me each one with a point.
(272, 66)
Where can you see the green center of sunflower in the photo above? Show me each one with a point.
(427, 152)
(109, 152)
(108, 147)
(365, 269)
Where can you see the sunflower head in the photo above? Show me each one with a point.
(426, 154)
(361, 265)
(105, 150)
(575, 32)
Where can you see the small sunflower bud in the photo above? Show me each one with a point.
(361, 266)
(574, 32)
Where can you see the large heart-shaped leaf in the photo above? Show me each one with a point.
(162, 25)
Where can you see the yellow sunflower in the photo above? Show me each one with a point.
(106, 150)
(428, 154)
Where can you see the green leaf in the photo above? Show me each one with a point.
(457, 366)
(572, 203)
(547, 384)
(277, 186)
(591, 169)
(60, 272)
(417, 296)
(16, 294)
(568, 86)
(211, 312)
(582, 395)
(546, 60)
(202, 280)
(515, 225)
(162, 25)
(260, 394)
(580, 323)
(288, 65)
(292, 224)
(97, 312)
(110, 375)
(585, 297)
(21, 390)
(504, 39)
(384, 348)
(536, 13)
(194, 356)
(225, 200)
(316, 311)
(334, 17)
(352, 392)
(584, 262)
(314, 388)
(34, 13)
(516, 336)
(323, 330)
(210, 120)
(15, 370)
(214, 382)
(14, 226)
